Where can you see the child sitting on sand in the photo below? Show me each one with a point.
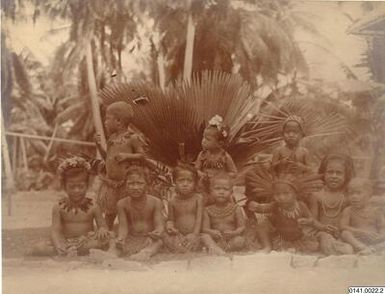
(290, 218)
(141, 223)
(363, 225)
(327, 205)
(72, 231)
(185, 211)
(223, 222)
(213, 158)
(291, 158)
(124, 148)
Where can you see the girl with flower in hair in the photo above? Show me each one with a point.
(213, 158)
(72, 230)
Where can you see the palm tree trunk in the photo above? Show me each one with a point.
(94, 96)
(188, 55)
(9, 179)
(46, 156)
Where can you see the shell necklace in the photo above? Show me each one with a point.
(332, 206)
(292, 213)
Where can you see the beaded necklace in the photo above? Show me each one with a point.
(292, 213)
(215, 161)
(220, 212)
(337, 204)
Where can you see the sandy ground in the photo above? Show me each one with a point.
(197, 273)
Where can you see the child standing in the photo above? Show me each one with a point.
(141, 224)
(327, 205)
(72, 230)
(290, 218)
(124, 148)
(213, 158)
(363, 225)
(223, 222)
(185, 211)
(291, 158)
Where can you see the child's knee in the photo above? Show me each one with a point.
(237, 243)
(41, 249)
(313, 246)
(346, 235)
(207, 239)
(346, 249)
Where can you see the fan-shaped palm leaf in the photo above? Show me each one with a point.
(325, 121)
(180, 114)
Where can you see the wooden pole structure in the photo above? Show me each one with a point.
(94, 96)
(86, 143)
(14, 152)
(9, 179)
(188, 55)
(24, 153)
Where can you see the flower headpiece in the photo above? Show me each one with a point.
(70, 163)
(297, 119)
(217, 121)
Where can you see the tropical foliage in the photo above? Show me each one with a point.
(240, 48)
(179, 115)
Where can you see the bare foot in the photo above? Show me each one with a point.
(141, 256)
(366, 251)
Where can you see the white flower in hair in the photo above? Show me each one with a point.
(217, 121)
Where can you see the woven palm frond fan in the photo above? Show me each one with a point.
(178, 115)
(325, 125)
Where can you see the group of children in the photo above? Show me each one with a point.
(202, 214)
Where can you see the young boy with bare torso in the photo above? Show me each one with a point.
(124, 148)
(72, 230)
(185, 212)
(141, 223)
(223, 221)
(363, 225)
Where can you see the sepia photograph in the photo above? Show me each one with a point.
(192, 146)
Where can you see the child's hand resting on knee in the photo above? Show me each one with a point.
(171, 230)
(216, 234)
(155, 234)
(305, 221)
(229, 234)
(192, 240)
(330, 229)
(102, 233)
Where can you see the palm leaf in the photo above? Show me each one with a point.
(180, 113)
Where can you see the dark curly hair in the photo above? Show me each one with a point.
(347, 162)
(140, 171)
(183, 166)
